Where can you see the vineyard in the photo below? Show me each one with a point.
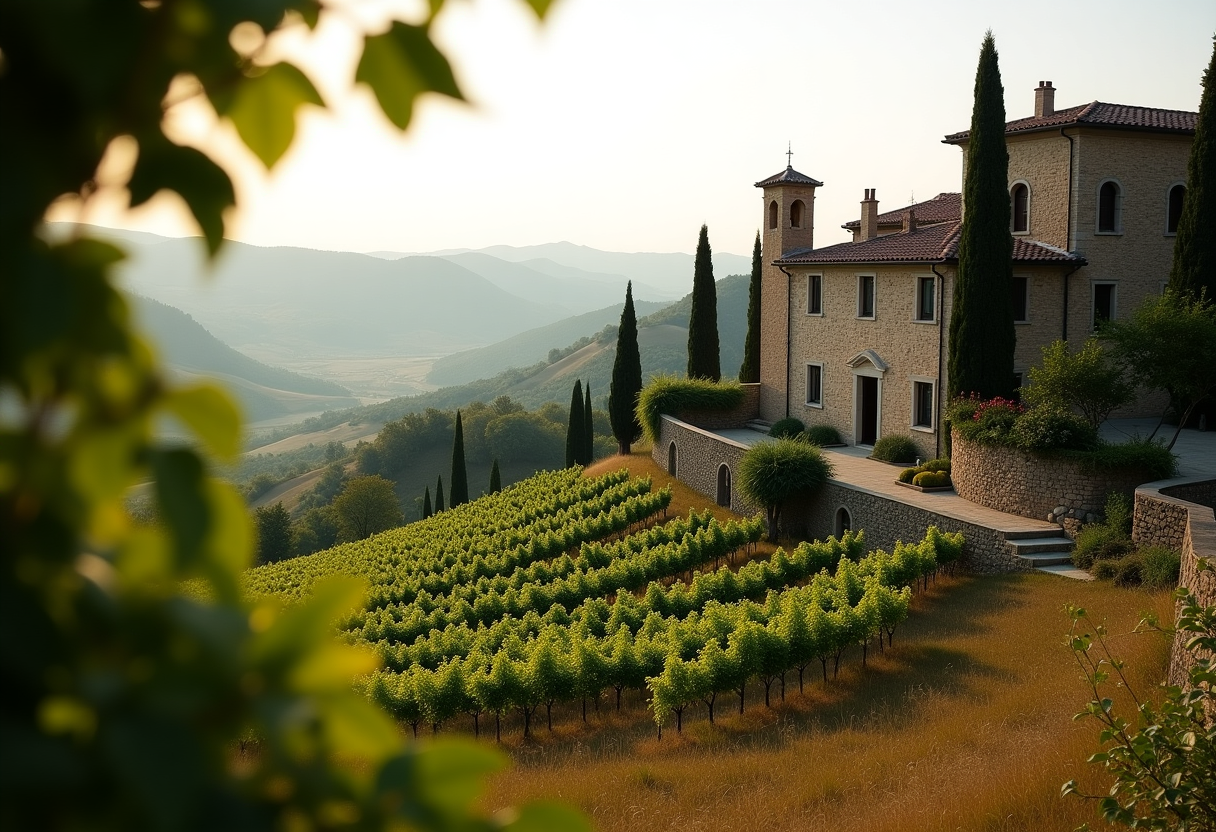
(563, 587)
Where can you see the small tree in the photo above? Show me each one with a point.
(588, 427)
(1084, 381)
(439, 494)
(367, 505)
(749, 373)
(275, 540)
(772, 472)
(704, 360)
(626, 379)
(427, 510)
(575, 430)
(1194, 267)
(458, 489)
(495, 478)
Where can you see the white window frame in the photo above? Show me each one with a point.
(916, 381)
(1118, 229)
(1169, 192)
(1093, 301)
(1025, 299)
(1012, 218)
(861, 278)
(916, 319)
(806, 379)
(810, 282)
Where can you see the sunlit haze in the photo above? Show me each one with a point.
(625, 125)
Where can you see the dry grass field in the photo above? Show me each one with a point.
(966, 724)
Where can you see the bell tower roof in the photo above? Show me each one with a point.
(789, 176)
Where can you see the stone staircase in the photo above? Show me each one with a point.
(1045, 553)
(759, 425)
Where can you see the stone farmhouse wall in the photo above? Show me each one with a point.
(1181, 516)
(699, 456)
(1016, 482)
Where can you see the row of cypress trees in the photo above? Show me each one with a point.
(458, 491)
(580, 433)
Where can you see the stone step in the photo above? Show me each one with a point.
(759, 425)
(1025, 534)
(1066, 571)
(1032, 545)
(1038, 559)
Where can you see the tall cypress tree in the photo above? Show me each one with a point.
(427, 511)
(588, 427)
(704, 360)
(495, 478)
(458, 489)
(626, 379)
(1194, 267)
(439, 495)
(575, 432)
(982, 337)
(749, 373)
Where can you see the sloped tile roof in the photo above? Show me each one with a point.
(789, 176)
(934, 244)
(942, 208)
(1100, 114)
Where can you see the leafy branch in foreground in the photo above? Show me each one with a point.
(1164, 763)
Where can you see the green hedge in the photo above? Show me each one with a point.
(673, 395)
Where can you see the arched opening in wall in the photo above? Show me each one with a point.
(1173, 208)
(796, 212)
(1110, 208)
(772, 214)
(724, 485)
(1020, 202)
(844, 522)
(671, 458)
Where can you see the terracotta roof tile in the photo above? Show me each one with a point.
(942, 208)
(925, 245)
(789, 176)
(1100, 114)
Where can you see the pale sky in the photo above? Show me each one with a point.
(626, 124)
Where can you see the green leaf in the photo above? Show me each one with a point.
(452, 773)
(202, 183)
(179, 493)
(263, 109)
(541, 7)
(207, 410)
(402, 64)
(548, 817)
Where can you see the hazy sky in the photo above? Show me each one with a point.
(625, 124)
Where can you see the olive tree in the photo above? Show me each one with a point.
(772, 472)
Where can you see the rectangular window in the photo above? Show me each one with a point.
(922, 405)
(865, 296)
(1104, 304)
(814, 385)
(1021, 287)
(814, 294)
(925, 299)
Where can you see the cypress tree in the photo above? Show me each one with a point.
(439, 495)
(458, 488)
(588, 428)
(1194, 267)
(703, 358)
(427, 511)
(575, 432)
(749, 373)
(982, 337)
(495, 478)
(626, 379)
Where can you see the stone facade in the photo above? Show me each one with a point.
(1043, 488)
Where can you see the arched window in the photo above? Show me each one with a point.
(796, 211)
(724, 485)
(1020, 199)
(772, 214)
(844, 522)
(1173, 209)
(671, 459)
(1110, 208)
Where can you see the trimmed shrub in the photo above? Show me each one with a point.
(1049, 429)
(671, 395)
(937, 465)
(823, 435)
(896, 448)
(786, 428)
(908, 474)
(1096, 542)
(1160, 567)
(1154, 458)
(931, 479)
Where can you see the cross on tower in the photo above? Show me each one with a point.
(789, 155)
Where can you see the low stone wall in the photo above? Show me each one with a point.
(1043, 488)
(736, 417)
(699, 456)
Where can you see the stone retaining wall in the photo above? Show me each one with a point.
(736, 417)
(699, 456)
(1043, 488)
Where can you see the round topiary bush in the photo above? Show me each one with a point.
(896, 448)
(786, 428)
(909, 474)
(823, 435)
(942, 464)
(931, 479)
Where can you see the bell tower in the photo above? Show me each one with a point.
(789, 225)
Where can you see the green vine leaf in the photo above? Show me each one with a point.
(400, 65)
(202, 183)
(263, 109)
(212, 416)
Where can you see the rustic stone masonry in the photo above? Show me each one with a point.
(1045, 488)
(737, 417)
(699, 456)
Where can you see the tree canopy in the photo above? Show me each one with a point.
(1194, 266)
(704, 358)
(275, 541)
(772, 472)
(749, 373)
(458, 488)
(576, 432)
(367, 505)
(1086, 381)
(626, 378)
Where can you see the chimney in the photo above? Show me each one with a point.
(910, 221)
(1044, 100)
(869, 217)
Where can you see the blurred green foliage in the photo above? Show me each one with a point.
(125, 704)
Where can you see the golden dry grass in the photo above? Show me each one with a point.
(965, 725)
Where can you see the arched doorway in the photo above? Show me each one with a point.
(868, 370)
(844, 522)
(671, 458)
(724, 485)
